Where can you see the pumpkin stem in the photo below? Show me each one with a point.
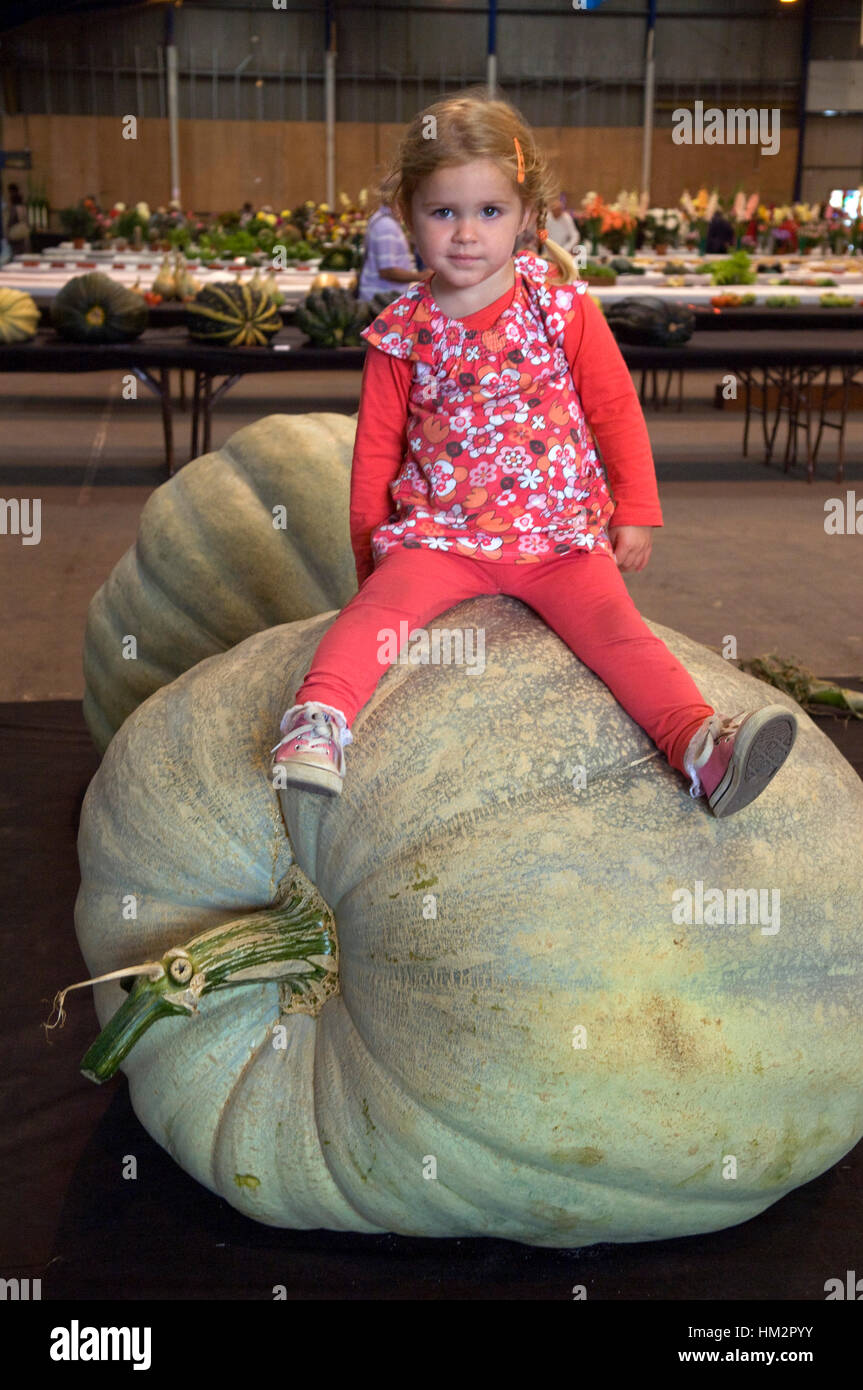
(293, 943)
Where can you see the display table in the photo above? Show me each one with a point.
(761, 360)
(759, 317)
(42, 278)
(792, 362)
(755, 317)
(157, 352)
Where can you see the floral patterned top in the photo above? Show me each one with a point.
(498, 459)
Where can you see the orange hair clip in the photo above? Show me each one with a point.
(542, 233)
(520, 160)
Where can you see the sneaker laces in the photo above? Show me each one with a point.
(316, 728)
(731, 723)
(704, 740)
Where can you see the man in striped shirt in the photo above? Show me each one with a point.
(388, 263)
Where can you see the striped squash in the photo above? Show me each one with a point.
(19, 316)
(233, 315)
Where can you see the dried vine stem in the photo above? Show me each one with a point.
(292, 943)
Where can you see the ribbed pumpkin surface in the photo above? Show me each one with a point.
(19, 316)
(209, 568)
(93, 308)
(234, 314)
(332, 317)
(452, 1037)
(650, 321)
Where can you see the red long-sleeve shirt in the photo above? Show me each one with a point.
(608, 397)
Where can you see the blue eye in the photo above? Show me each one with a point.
(492, 206)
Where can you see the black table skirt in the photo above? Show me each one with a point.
(172, 348)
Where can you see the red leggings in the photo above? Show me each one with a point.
(580, 595)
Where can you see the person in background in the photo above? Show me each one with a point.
(17, 226)
(720, 234)
(528, 240)
(560, 225)
(786, 238)
(388, 263)
(246, 214)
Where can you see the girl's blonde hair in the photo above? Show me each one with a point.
(468, 125)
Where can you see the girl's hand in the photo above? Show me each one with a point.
(632, 545)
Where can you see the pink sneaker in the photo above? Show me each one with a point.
(732, 757)
(311, 755)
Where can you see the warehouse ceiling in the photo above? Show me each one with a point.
(14, 13)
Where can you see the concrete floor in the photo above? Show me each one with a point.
(743, 551)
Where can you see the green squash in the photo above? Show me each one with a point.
(332, 318)
(213, 562)
(379, 302)
(338, 258)
(649, 321)
(621, 265)
(519, 1041)
(234, 314)
(93, 308)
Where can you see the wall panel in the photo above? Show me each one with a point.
(223, 163)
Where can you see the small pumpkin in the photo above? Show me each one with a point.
(19, 316)
(248, 567)
(338, 258)
(649, 321)
(621, 265)
(379, 988)
(93, 308)
(233, 314)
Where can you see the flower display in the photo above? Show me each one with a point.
(315, 230)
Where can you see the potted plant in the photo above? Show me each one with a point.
(661, 227)
(79, 222)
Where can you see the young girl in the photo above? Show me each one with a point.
(475, 471)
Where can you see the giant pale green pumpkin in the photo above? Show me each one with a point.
(241, 539)
(524, 1042)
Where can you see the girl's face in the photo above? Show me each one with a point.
(465, 220)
